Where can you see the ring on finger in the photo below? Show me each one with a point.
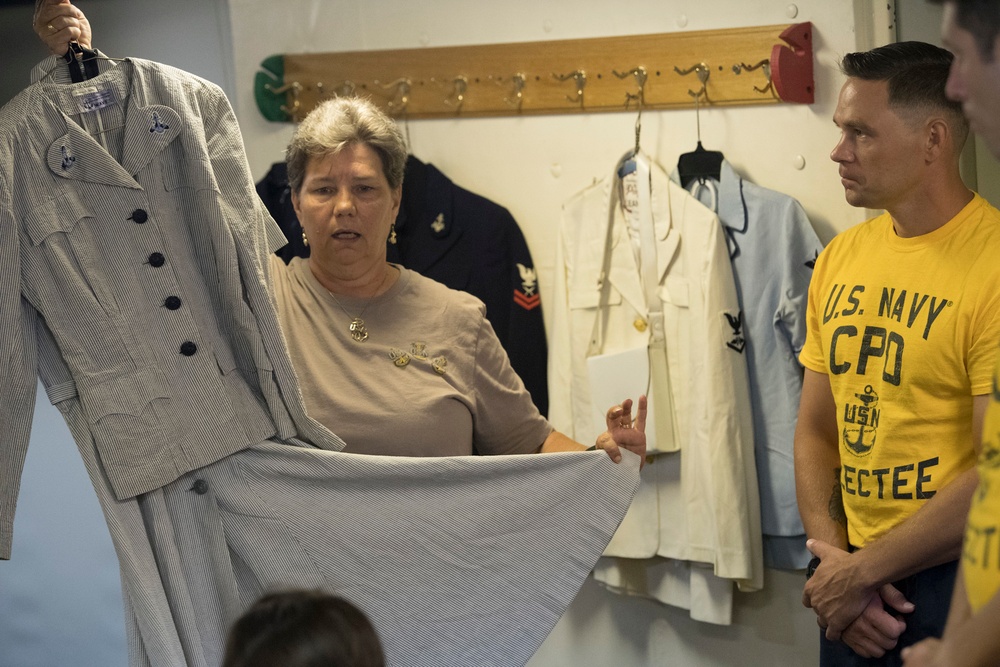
(51, 27)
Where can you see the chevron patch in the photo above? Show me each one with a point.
(525, 301)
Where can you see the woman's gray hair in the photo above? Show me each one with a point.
(340, 122)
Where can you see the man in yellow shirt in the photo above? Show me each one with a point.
(972, 634)
(903, 319)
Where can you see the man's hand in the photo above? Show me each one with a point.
(837, 593)
(875, 631)
(927, 653)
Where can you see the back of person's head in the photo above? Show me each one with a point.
(916, 74)
(340, 122)
(981, 19)
(302, 628)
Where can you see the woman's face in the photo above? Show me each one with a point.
(345, 206)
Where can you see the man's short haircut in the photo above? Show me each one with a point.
(981, 19)
(916, 73)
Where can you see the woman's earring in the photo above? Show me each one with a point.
(392, 234)
(305, 241)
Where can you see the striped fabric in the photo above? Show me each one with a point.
(133, 281)
(457, 560)
(134, 239)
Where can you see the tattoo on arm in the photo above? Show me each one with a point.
(836, 506)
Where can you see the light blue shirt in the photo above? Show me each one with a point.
(773, 247)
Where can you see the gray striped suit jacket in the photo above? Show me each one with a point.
(133, 279)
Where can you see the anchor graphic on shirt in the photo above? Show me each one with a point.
(67, 159)
(865, 415)
(158, 127)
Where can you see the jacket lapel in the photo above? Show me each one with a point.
(148, 130)
(76, 156)
(624, 272)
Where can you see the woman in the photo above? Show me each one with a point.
(393, 362)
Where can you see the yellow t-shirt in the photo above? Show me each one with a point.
(907, 330)
(981, 548)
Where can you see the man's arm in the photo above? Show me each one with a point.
(817, 463)
(817, 482)
(933, 535)
(969, 639)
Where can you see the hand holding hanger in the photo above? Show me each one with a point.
(58, 23)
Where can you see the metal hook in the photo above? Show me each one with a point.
(295, 87)
(580, 78)
(402, 87)
(702, 71)
(640, 75)
(640, 97)
(764, 64)
(461, 84)
(520, 80)
(345, 89)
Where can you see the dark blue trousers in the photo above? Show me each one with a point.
(930, 592)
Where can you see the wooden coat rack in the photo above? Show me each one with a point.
(755, 65)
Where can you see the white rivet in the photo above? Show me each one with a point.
(547, 25)
(555, 170)
(682, 21)
(791, 11)
(799, 162)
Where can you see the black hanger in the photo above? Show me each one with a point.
(82, 62)
(699, 163)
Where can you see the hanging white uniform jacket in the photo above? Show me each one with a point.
(134, 282)
(700, 504)
(772, 248)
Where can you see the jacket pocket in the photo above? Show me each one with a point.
(61, 214)
(63, 231)
(130, 422)
(126, 396)
(127, 427)
(675, 291)
(590, 297)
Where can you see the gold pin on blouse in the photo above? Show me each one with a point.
(639, 324)
(440, 365)
(399, 357)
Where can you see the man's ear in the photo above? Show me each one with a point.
(939, 138)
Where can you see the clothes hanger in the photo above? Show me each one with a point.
(627, 163)
(699, 163)
(82, 62)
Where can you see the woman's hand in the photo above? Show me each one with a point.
(624, 432)
(57, 23)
